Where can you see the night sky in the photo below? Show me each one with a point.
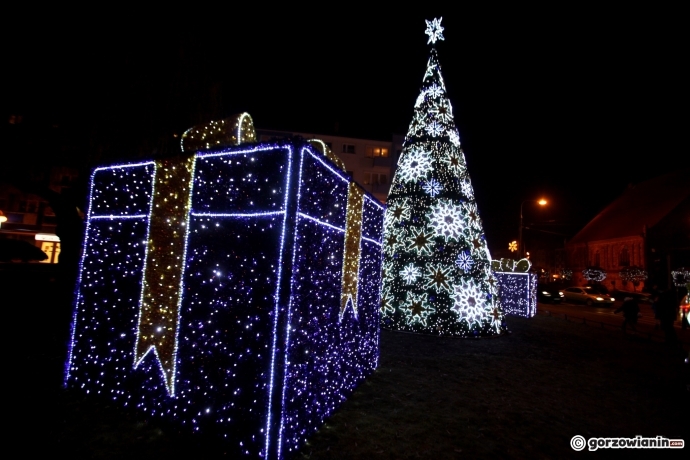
(569, 103)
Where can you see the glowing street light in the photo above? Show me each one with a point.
(2, 218)
(541, 202)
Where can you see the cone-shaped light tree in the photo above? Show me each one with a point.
(437, 275)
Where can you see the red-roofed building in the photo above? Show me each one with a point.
(648, 226)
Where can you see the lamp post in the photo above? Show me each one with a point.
(521, 249)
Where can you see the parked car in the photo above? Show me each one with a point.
(589, 295)
(549, 294)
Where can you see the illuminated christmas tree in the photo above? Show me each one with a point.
(437, 275)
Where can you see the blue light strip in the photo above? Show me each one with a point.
(254, 214)
(120, 216)
(122, 166)
(289, 312)
(325, 224)
(263, 148)
(276, 311)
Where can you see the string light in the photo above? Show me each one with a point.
(594, 274)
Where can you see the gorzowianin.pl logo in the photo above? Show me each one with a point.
(638, 442)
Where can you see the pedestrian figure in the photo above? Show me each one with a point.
(630, 310)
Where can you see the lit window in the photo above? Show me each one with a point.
(377, 152)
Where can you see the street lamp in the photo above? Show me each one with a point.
(541, 202)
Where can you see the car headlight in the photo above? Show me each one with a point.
(546, 293)
(600, 299)
(612, 299)
(561, 294)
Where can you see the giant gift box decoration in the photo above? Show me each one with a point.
(234, 290)
(517, 286)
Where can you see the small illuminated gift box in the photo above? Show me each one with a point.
(516, 286)
(234, 290)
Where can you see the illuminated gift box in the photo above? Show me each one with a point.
(234, 291)
(518, 293)
(516, 286)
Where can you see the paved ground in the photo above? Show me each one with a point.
(647, 327)
(519, 396)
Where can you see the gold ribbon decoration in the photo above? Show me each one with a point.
(353, 248)
(164, 267)
(235, 130)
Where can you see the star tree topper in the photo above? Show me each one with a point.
(434, 30)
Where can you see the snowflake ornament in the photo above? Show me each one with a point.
(410, 273)
(395, 213)
(434, 30)
(434, 129)
(439, 277)
(469, 302)
(470, 210)
(447, 220)
(416, 308)
(422, 240)
(434, 91)
(432, 187)
(465, 261)
(455, 161)
(454, 138)
(415, 165)
(392, 242)
(443, 111)
(466, 187)
(386, 302)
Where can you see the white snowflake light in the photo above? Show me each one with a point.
(469, 302)
(434, 30)
(454, 138)
(466, 187)
(395, 213)
(415, 165)
(432, 187)
(455, 161)
(434, 91)
(420, 100)
(386, 301)
(439, 277)
(443, 111)
(410, 273)
(434, 128)
(416, 308)
(465, 261)
(447, 220)
(393, 241)
(472, 215)
(421, 240)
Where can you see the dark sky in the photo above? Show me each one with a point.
(569, 102)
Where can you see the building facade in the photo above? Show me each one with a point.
(371, 163)
(647, 227)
